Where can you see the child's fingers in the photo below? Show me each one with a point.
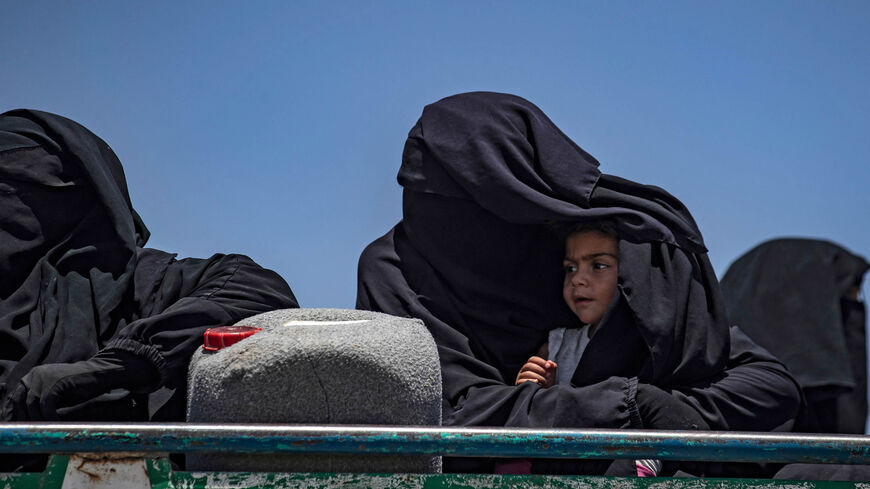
(527, 376)
(537, 370)
(551, 376)
(549, 372)
(537, 361)
(531, 367)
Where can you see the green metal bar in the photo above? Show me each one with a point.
(523, 443)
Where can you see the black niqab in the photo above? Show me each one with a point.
(69, 243)
(791, 296)
(486, 176)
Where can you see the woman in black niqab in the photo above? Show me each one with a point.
(798, 298)
(486, 177)
(90, 321)
(69, 246)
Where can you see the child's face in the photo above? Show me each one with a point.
(591, 267)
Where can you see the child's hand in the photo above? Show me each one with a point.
(539, 371)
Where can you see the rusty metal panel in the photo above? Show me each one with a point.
(106, 471)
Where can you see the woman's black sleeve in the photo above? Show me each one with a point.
(756, 392)
(476, 393)
(192, 295)
(489, 401)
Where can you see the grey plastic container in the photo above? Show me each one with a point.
(319, 366)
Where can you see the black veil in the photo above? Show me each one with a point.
(486, 177)
(70, 247)
(792, 296)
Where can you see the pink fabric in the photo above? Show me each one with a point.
(648, 467)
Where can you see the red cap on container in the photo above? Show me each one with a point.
(216, 338)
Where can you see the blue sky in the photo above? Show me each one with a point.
(275, 129)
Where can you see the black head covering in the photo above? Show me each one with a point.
(791, 296)
(485, 177)
(68, 248)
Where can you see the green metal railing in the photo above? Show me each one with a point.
(147, 445)
(470, 442)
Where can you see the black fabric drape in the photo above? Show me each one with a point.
(791, 295)
(80, 263)
(484, 173)
(486, 178)
(75, 280)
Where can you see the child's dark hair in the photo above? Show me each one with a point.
(603, 226)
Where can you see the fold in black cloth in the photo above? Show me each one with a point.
(486, 178)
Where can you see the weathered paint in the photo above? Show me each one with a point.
(162, 477)
(50, 478)
(106, 471)
(241, 438)
(480, 481)
(184, 480)
(242, 480)
(160, 473)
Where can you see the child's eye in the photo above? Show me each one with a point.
(600, 266)
(569, 268)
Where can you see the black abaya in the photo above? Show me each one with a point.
(792, 296)
(486, 177)
(84, 309)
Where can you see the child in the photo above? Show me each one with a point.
(591, 267)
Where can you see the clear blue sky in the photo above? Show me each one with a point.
(275, 129)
